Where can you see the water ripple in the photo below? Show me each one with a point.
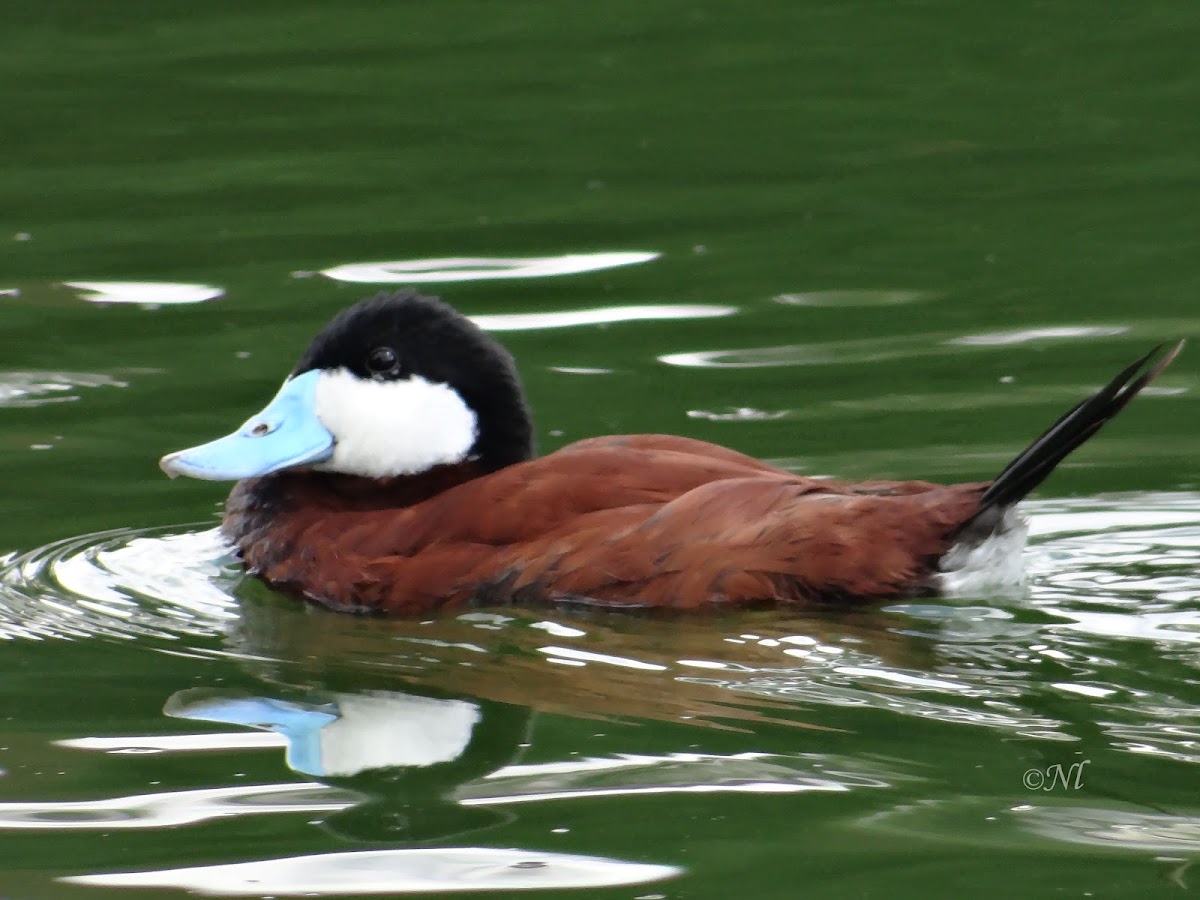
(42, 387)
(124, 584)
(1125, 566)
(1017, 825)
(483, 268)
(1026, 335)
(147, 294)
(852, 298)
(170, 809)
(602, 316)
(1100, 572)
(860, 350)
(395, 871)
(874, 350)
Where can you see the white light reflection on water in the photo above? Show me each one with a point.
(586, 656)
(170, 809)
(178, 743)
(580, 370)
(816, 354)
(878, 349)
(987, 699)
(24, 389)
(1114, 826)
(602, 316)
(395, 871)
(678, 773)
(1126, 566)
(739, 414)
(1025, 335)
(145, 293)
(482, 268)
(852, 298)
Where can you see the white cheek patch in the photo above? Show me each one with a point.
(386, 428)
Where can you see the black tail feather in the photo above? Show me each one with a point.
(1038, 460)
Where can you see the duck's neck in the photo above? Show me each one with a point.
(257, 503)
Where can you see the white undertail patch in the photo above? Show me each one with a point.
(995, 564)
(387, 428)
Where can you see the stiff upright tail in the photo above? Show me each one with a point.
(1038, 460)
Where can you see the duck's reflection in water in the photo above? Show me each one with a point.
(432, 728)
(580, 663)
(427, 720)
(404, 754)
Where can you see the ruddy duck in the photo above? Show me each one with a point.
(395, 472)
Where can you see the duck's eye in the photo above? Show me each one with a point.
(383, 361)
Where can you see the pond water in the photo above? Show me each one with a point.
(851, 239)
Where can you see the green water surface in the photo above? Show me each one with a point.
(896, 240)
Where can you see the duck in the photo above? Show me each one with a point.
(395, 472)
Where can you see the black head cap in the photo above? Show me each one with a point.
(400, 334)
